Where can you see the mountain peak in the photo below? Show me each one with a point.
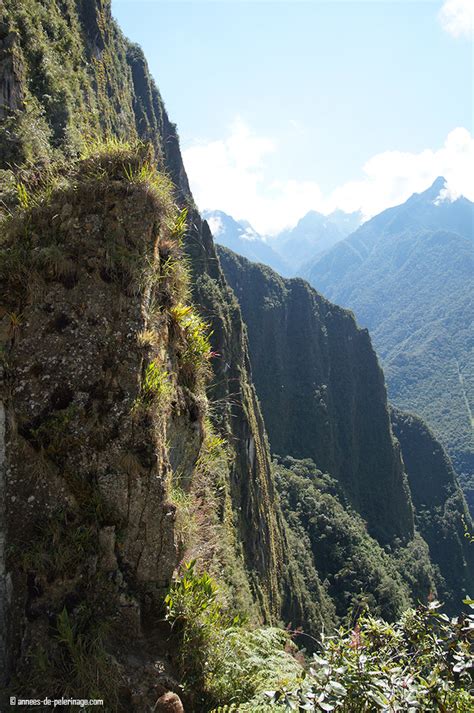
(438, 184)
(433, 191)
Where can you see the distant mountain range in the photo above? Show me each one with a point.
(240, 237)
(408, 274)
(290, 249)
(312, 235)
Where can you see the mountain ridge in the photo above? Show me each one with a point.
(438, 503)
(407, 275)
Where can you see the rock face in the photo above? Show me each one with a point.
(441, 511)
(86, 467)
(322, 392)
(94, 409)
(11, 94)
(104, 88)
(169, 703)
(301, 344)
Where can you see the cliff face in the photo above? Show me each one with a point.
(72, 338)
(442, 515)
(91, 441)
(301, 344)
(322, 392)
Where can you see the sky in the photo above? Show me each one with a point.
(284, 107)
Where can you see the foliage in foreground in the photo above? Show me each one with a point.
(220, 660)
(423, 662)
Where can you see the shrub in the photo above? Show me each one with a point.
(424, 662)
(196, 337)
(193, 608)
(220, 660)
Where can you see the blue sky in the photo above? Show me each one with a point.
(286, 106)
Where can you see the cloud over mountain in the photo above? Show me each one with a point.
(233, 174)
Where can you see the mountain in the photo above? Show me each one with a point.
(439, 503)
(345, 222)
(323, 398)
(150, 550)
(408, 275)
(313, 234)
(107, 430)
(240, 237)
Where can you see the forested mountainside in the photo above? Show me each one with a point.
(323, 397)
(408, 276)
(144, 546)
(441, 512)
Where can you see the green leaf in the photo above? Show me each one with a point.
(338, 687)
(326, 706)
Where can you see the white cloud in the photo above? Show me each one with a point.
(231, 175)
(457, 17)
(392, 176)
(215, 224)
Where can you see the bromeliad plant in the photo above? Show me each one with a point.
(196, 336)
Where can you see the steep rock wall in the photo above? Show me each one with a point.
(322, 391)
(98, 406)
(104, 88)
(442, 515)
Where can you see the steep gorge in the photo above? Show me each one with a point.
(322, 392)
(133, 442)
(323, 397)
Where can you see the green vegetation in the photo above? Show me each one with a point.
(196, 336)
(220, 660)
(356, 572)
(441, 510)
(67, 97)
(408, 276)
(60, 545)
(74, 663)
(156, 385)
(424, 661)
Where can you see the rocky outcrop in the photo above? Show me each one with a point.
(11, 92)
(322, 392)
(442, 515)
(97, 396)
(89, 470)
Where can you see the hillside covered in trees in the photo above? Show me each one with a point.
(408, 276)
